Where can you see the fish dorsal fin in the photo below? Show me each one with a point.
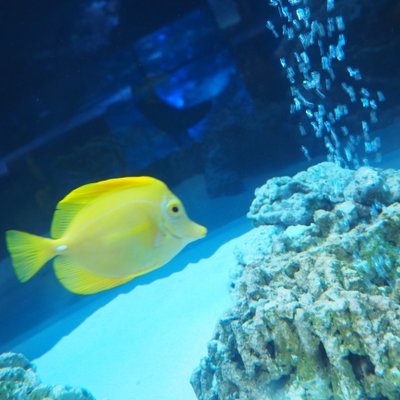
(81, 281)
(73, 202)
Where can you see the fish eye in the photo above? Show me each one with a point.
(174, 209)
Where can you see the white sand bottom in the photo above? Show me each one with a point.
(144, 345)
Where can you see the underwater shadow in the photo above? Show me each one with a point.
(62, 312)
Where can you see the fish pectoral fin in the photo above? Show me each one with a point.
(81, 281)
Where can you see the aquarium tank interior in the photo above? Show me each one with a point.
(200, 200)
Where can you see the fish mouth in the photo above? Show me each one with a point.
(197, 231)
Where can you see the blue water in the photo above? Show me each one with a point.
(213, 98)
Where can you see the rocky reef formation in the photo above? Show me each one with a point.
(19, 381)
(317, 290)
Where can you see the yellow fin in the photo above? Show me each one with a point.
(81, 281)
(28, 252)
(71, 204)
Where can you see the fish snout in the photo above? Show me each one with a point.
(197, 231)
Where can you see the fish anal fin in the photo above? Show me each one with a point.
(71, 204)
(81, 281)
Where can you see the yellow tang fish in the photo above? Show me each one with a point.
(104, 234)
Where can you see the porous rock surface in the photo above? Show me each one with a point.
(19, 381)
(317, 291)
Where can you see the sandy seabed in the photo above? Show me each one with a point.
(145, 344)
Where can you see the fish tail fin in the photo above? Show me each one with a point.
(28, 252)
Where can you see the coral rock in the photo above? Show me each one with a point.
(19, 381)
(317, 312)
